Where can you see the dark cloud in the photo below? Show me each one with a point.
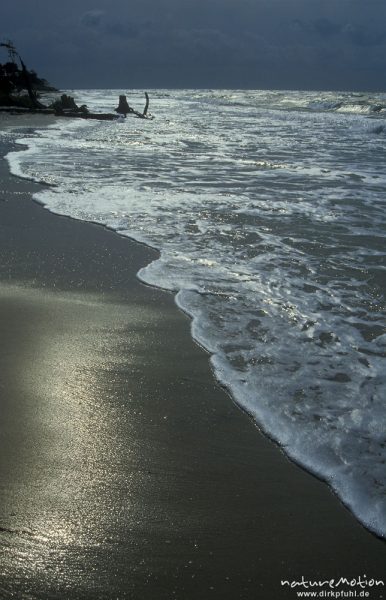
(326, 27)
(106, 24)
(323, 27)
(362, 36)
(123, 30)
(92, 18)
(356, 34)
(209, 43)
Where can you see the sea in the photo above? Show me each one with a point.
(268, 209)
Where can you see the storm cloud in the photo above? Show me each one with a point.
(292, 44)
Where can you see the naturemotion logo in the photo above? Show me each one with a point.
(344, 587)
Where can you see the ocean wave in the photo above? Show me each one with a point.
(270, 223)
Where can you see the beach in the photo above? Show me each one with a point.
(126, 470)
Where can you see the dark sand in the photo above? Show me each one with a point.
(126, 472)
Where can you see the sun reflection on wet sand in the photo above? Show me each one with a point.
(69, 483)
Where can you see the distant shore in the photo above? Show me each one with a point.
(126, 471)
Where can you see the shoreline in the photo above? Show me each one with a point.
(155, 489)
(42, 121)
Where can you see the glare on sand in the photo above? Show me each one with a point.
(58, 486)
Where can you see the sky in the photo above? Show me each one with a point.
(256, 44)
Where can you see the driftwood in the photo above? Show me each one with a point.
(18, 110)
(88, 115)
(124, 108)
(67, 103)
(144, 114)
(66, 106)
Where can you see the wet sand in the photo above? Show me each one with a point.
(125, 470)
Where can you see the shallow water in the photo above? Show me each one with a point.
(269, 210)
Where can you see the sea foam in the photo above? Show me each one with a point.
(268, 210)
